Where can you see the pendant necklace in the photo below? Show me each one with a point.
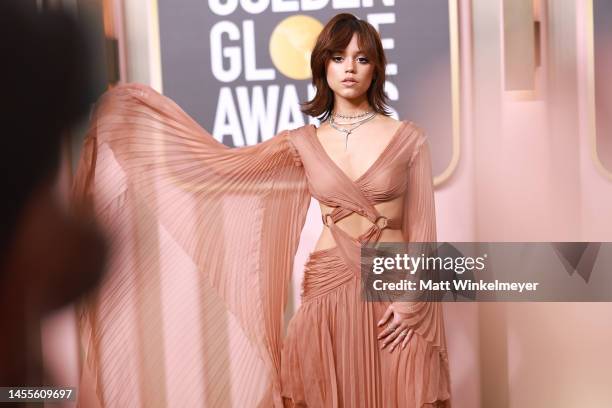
(333, 124)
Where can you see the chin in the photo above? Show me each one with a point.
(351, 93)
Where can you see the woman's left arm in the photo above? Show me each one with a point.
(419, 225)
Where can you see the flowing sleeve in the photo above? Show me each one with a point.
(419, 226)
(203, 237)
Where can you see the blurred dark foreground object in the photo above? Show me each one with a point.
(49, 256)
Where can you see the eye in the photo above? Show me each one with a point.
(363, 60)
(337, 58)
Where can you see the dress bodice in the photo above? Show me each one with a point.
(384, 180)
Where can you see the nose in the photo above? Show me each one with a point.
(349, 67)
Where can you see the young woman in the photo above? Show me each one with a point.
(182, 200)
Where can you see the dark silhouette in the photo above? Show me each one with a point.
(48, 256)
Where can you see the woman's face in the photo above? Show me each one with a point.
(353, 64)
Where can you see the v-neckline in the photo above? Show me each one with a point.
(372, 166)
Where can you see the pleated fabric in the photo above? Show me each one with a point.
(331, 355)
(203, 239)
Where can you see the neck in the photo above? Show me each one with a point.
(351, 107)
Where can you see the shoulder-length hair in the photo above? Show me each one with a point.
(335, 37)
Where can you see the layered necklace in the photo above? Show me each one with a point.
(356, 120)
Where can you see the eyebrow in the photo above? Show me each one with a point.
(358, 51)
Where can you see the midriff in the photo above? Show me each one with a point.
(355, 224)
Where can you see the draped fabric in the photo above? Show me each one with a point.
(203, 240)
(178, 205)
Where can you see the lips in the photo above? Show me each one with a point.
(349, 81)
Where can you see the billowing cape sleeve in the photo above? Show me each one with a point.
(203, 238)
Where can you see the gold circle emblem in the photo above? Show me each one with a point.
(292, 42)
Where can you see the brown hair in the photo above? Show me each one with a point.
(335, 36)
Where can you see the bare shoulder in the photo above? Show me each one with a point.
(323, 130)
(389, 124)
(385, 127)
(389, 120)
(412, 128)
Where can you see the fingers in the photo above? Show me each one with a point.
(388, 330)
(395, 336)
(397, 340)
(391, 333)
(402, 338)
(386, 316)
(407, 338)
(396, 333)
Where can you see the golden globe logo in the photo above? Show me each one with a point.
(291, 43)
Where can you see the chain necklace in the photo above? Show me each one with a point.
(349, 131)
(354, 122)
(338, 115)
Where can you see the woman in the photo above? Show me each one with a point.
(182, 200)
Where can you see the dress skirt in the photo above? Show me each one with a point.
(331, 356)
